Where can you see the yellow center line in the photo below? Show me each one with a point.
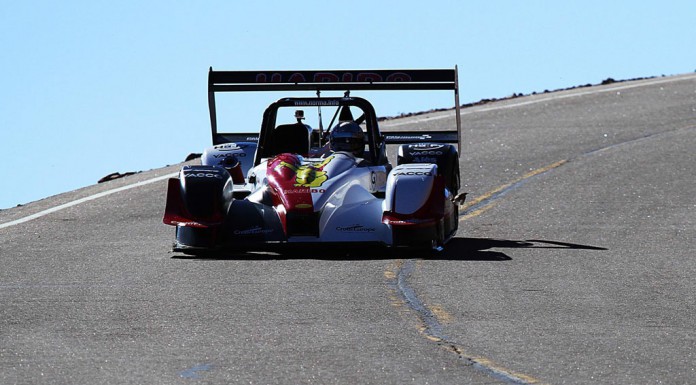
(502, 188)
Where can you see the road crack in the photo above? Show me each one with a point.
(431, 326)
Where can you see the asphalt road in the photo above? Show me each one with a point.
(573, 264)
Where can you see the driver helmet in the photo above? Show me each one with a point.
(349, 137)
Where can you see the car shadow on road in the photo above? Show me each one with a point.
(458, 249)
(479, 249)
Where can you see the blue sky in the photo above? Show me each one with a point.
(93, 87)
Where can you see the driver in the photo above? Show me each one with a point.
(348, 137)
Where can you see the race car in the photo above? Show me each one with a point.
(291, 184)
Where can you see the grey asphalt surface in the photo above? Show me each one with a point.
(577, 269)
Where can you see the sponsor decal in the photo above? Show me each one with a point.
(356, 228)
(424, 159)
(253, 231)
(409, 137)
(425, 173)
(188, 224)
(316, 103)
(420, 147)
(231, 146)
(202, 175)
(311, 175)
(237, 154)
(331, 77)
(305, 190)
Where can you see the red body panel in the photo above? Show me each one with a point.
(292, 183)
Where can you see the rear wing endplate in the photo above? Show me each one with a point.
(331, 80)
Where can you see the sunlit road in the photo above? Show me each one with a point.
(573, 264)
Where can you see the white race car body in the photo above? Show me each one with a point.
(266, 192)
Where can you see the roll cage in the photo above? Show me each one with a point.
(375, 153)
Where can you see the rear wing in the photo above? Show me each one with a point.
(332, 80)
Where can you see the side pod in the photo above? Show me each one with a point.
(199, 198)
(444, 155)
(414, 205)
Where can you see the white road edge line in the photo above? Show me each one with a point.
(474, 110)
(85, 199)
